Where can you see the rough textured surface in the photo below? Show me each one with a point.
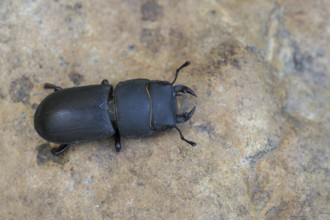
(261, 72)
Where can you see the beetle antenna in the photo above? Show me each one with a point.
(187, 63)
(182, 138)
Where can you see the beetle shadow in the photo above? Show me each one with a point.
(45, 156)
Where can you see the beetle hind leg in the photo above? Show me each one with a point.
(60, 149)
(52, 86)
(182, 118)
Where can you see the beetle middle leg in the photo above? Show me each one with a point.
(117, 141)
(105, 82)
(60, 149)
(52, 86)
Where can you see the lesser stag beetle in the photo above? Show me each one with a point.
(136, 108)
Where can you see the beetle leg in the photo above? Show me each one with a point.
(181, 118)
(60, 149)
(183, 89)
(52, 86)
(105, 82)
(117, 141)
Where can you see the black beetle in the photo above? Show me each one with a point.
(136, 108)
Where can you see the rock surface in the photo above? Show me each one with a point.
(262, 124)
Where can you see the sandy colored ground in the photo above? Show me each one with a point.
(262, 124)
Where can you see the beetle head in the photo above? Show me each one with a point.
(184, 103)
(180, 90)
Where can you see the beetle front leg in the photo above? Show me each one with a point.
(60, 149)
(52, 86)
(117, 141)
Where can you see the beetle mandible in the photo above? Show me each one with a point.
(135, 108)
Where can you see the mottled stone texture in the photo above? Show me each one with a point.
(262, 124)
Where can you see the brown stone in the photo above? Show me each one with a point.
(262, 123)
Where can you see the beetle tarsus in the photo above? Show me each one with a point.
(52, 86)
(187, 63)
(60, 149)
(117, 141)
(182, 137)
(181, 118)
(183, 89)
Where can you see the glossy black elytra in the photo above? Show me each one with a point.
(135, 108)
